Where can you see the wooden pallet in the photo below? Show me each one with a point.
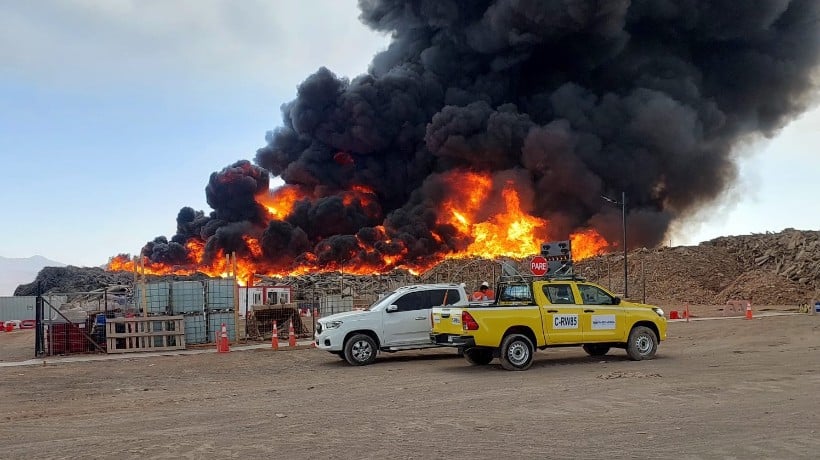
(153, 333)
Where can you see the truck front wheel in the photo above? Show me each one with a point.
(478, 356)
(360, 350)
(516, 352)
(643, 343)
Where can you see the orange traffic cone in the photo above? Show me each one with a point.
(223, 346)
(274, 337)
(749, 310)
(291, 335)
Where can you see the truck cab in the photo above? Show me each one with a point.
(399, 320)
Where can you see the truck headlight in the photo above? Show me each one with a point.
(658, 311)
(332, 324)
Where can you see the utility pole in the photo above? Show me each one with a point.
(622, 204)
(623, 220)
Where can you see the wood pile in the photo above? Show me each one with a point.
(792, 254)
(768, 269)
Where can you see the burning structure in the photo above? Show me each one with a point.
(487, 127)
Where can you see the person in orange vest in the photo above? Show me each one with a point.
(483, 293)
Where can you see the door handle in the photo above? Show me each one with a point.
(421, 318)
(552, 311)
(589, 311)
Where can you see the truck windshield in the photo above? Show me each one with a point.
(383, 300)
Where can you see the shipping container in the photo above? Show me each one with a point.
(263, 295)
(22, 307)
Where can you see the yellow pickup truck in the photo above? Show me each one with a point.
(538, 314)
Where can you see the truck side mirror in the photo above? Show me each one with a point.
(617, 300)
(392, 308)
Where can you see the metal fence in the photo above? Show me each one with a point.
(72, 323)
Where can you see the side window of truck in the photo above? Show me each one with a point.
(444, 297)
(559, 293)
(593, 295)
(413, 301)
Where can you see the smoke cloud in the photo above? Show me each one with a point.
(571, 99)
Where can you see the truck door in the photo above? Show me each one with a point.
(602, 319)
(561, 314)
(408, 322)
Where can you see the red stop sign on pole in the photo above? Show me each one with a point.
(538, 266)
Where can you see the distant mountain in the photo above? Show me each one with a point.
(17, 271)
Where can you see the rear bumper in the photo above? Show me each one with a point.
(453, 340)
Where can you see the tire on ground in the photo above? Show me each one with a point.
(642, 344)
(360, 350)
(596, 349)
(516, 352)
(478, 356)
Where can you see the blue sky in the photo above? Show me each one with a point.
(114, 114)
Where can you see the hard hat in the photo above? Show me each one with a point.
(485, 284)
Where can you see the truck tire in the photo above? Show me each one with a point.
(360, 350)
(596, 349)
(516, 352)
(478, 356)
(642, 344)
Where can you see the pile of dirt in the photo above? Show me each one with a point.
(72, 279)
(768, 269)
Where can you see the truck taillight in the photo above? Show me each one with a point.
(467, 321)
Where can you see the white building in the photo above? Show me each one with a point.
(258, 295)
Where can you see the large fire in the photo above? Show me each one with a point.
(506, 231)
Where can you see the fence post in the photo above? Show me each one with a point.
(39, 343)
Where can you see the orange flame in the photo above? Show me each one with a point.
(492, 223)
(253, 246)
(587, 243)
(280, 202)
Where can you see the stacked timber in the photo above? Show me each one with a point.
(770, 269)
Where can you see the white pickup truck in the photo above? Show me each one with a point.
(400, 320)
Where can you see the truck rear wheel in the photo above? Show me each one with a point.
(643, 343)
(516, 352)
(478, 356)
(596, 349)
(360, 350)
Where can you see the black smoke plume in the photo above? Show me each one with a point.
(572, 99)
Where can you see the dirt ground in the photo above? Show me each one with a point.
(718, 389)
